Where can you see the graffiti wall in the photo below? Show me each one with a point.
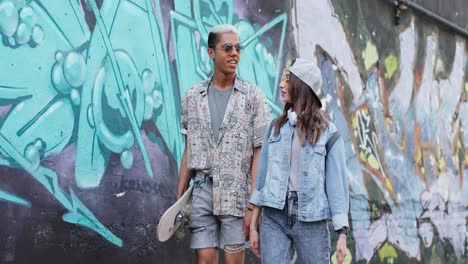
(89, 120)
(398, 94)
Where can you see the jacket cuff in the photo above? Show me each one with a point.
(255, 198)
(339, 221)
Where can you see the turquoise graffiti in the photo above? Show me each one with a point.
(13, 198)
(66, 82)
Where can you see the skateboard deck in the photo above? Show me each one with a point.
(174, 217)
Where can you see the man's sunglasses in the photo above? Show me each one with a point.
(228, 47)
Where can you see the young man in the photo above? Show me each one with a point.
(224, 119)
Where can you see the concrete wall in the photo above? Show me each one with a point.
(89, 120)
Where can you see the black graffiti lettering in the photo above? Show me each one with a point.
(139, 187)
(143, 186)
(131, 184)
(123, 185)
(147, 187)
(156, 188)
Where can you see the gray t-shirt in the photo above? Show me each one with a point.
(293, 184)
(217, 103)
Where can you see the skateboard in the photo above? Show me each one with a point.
(175, 218)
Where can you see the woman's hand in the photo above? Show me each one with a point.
(255, 242)
(341, 249)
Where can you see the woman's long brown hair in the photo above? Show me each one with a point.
(310, 121)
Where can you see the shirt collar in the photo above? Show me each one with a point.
(237, 84)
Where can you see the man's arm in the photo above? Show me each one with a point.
(261, 120)
(256, 158)
(183, 175)
(248, 213)
(262, 128)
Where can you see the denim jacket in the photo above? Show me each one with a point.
(323, 191)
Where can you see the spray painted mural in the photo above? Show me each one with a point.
(89, 118)
(399, 96)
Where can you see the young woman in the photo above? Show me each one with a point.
(300, 185)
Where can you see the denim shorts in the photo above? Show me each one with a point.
(281, 233)
(208, 230)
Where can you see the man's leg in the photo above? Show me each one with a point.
(232, 239)
(207, 256)
(234, 254)
(204, 225)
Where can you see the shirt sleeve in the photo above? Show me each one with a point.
(261, 118)
(336, 177)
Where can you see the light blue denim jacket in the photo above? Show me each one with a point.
(323, 190)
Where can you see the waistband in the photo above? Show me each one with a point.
(200, 175)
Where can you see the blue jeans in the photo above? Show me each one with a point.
(280, 232)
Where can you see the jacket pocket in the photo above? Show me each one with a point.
(273, 138)
(318, 158)
(274, 147)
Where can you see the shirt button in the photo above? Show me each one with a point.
(305, 173)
